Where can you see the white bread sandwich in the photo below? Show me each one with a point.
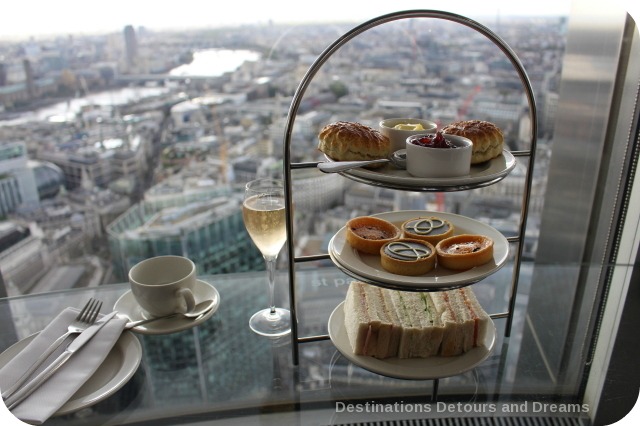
(387, 323)
(465, 321)
(421, 327)
(374, 327)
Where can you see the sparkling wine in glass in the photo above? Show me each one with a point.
(264, 217)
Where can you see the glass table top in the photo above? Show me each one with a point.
(221, 370)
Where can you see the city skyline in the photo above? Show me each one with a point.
(78, 19)
(112, 155)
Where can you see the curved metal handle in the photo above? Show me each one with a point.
(340, 166)
(297, 100)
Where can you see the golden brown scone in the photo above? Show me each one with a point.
(367, 233)
(465, 251)
(350, 141)
(487, 138)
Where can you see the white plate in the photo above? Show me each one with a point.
(368, 267)
(128, 306)
(116, 370)
(435, 367)
(490, 171)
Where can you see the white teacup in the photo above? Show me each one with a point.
(163, 285)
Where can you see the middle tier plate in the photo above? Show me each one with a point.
(367, 267)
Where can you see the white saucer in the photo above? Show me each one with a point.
(128, 306)
(116, 370)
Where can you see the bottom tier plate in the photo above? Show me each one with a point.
(413, 368)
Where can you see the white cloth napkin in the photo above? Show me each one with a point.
(60, 387)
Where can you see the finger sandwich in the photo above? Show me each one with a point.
(373, 325)
(385, 323)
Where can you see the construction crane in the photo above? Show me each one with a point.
(462, 111)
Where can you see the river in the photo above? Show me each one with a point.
(215, 62)
(206, 63)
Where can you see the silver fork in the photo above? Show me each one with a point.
(85, 318)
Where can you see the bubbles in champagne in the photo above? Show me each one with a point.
(264, 217)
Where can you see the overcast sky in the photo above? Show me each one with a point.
(66, 16)
(36, 17)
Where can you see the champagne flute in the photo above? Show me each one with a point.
(264, 217)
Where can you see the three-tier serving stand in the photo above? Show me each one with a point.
(529, 154)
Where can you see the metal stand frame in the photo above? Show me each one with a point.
(288, 166)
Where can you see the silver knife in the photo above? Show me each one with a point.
(77, 343)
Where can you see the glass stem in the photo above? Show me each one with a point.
(271, 274)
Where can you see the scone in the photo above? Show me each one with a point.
(408, 257)
(487, 138)
(368, 234)
(349, 141)
(431, 229)
(465, 251)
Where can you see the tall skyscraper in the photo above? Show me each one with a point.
(3, 74)
(28, 72)
(131, 46)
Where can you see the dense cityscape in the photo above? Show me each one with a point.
(124, 146)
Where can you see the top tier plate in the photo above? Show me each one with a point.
(389, 176)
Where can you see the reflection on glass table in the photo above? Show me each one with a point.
(220, 368)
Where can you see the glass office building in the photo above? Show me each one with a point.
(206, 227)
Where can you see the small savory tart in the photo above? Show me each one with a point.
(408, 257)
(465, 251)
(368, 234)
(431, 229)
